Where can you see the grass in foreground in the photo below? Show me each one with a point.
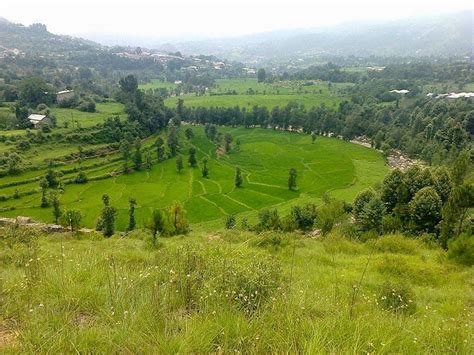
(233, 291)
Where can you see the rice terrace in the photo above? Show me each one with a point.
(264, 155)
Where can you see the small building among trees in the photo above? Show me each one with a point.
(38, 120)
(64, 95)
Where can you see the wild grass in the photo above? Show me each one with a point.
(227, 292)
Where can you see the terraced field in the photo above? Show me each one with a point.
(248, 93)
(74, 118)
(265, 157)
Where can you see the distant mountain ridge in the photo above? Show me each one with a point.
(444, 35)
(36, 39)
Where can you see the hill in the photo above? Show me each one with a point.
(35, 39)
(447, 35)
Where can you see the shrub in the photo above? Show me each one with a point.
(461, 250)
(268, 220)
(230, 221)
(81, 178)
(397, 298)
(87, 106)
(271, 240)
(329, 214)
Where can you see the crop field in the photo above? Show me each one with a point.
(248, 93)
(157, 84)
(75, 118)
(265, 156)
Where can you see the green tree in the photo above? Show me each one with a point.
(204, 169)
(34, 91)
(180, 108)
(129, 84)
(228, 141)
(173, 141)
(54, 200)
(425, 209)
(131, 214)
(50, 177)
(156, 224)
(292, 175)
(237, 143)
(44, 187)
(107, 219)
(238, 177)
(125, 148)
(137, 157)
(179, 164)
(442, 183)
(192, 157)
(261, 75)
(14, 164)
(455, 212)
(160, 149)
(21, 114)
(360, 201)
(460, 168)
(189, 133)
(371, 215)
(148, 161)
(178, 219)
(391, 188)
(71, 219)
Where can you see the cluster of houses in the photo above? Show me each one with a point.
(452, 96)
(401, 92)
(39, 120)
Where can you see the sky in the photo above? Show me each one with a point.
(181, 19)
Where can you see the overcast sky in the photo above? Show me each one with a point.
(178, 19)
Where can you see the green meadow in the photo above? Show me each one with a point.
(75, 118)
(231, 292)
(265, 156)
(156, 84)
(248, 101)
(247, 92)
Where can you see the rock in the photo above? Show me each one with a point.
(23, 220)
(4, 221)
(315, 233)
(53, 228)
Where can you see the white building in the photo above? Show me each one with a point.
(38, 120)
(64, 95)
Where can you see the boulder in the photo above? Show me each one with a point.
(23, 220)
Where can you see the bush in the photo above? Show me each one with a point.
(268, 220)
(87, 106)
(397, 298)
(230, 222)
(81, 178)
(271, 240)
(461, 250)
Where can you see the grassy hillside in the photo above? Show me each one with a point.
(265, 157)
(231, 292)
